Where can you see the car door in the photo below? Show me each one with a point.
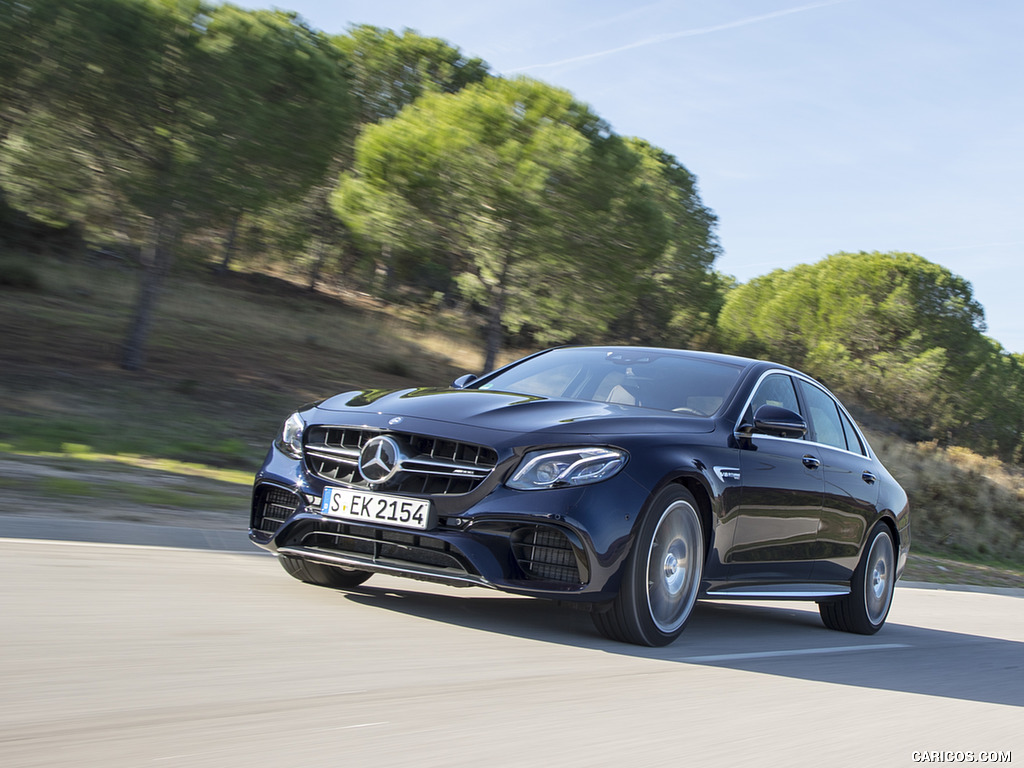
(776, 522)
(851, 487)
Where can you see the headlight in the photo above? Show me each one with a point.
(290, 439)
(566, 466)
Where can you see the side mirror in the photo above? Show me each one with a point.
(780, 422)
(464, 381)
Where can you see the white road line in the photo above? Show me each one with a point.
(794, 652)
(350, 727)
(73, 543)
(111, 545)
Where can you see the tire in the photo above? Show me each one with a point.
(865, 609)
(662, 574)
(321, 574)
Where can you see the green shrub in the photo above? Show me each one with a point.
(394, 366)
(20, 275)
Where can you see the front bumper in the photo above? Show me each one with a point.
(566, 544)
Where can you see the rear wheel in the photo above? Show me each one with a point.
(865, 609)
(663, 574)
(321, 574)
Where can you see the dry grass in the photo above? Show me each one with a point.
(944, 570)
(228, 359)
(963, 503)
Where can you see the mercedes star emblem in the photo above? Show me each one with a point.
(380, 459)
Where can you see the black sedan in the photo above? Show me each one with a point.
(631, 480)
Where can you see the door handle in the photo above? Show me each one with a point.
(811, 462)
(868, 477)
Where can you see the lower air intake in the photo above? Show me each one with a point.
(546, 554)
(271, 507)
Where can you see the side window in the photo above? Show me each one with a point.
(852, 439)
(824, 416)
(776, 389)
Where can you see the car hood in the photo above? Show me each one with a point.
(509, 412)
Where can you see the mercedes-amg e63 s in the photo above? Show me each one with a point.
(632, 480)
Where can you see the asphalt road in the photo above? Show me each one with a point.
(121, 655)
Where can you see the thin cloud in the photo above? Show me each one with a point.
(676, 35)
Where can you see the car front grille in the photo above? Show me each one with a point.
(385, 547)
(545, 553)
(271, 507)
(431, 466)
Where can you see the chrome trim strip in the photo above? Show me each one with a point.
(445, 468)
(794, 591)
(332, 451)
(352, 561)
(418, 466)
(809, 380)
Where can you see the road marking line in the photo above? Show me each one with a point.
(111, 545)
(796, 652)
(350, 727)
(74, 543)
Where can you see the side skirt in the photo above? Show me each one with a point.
(778, 592)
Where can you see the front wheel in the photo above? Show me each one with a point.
(865, 609)
(321, 574)
(662, 576)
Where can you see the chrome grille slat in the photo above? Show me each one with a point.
(330, 450)
(451, 470)
(433, 466)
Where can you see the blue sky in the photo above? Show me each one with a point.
(813, 127)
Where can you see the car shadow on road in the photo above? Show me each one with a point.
(785, 639)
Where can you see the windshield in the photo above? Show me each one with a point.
(663, 380)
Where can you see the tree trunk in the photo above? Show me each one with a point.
(492, 339)
(319, 251)
(155, 265)
(499, 294)
(229, 245)
(382, 272)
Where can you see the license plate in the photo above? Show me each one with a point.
(380, 508)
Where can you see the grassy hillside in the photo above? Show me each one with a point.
(228, 359)
(231, 356)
